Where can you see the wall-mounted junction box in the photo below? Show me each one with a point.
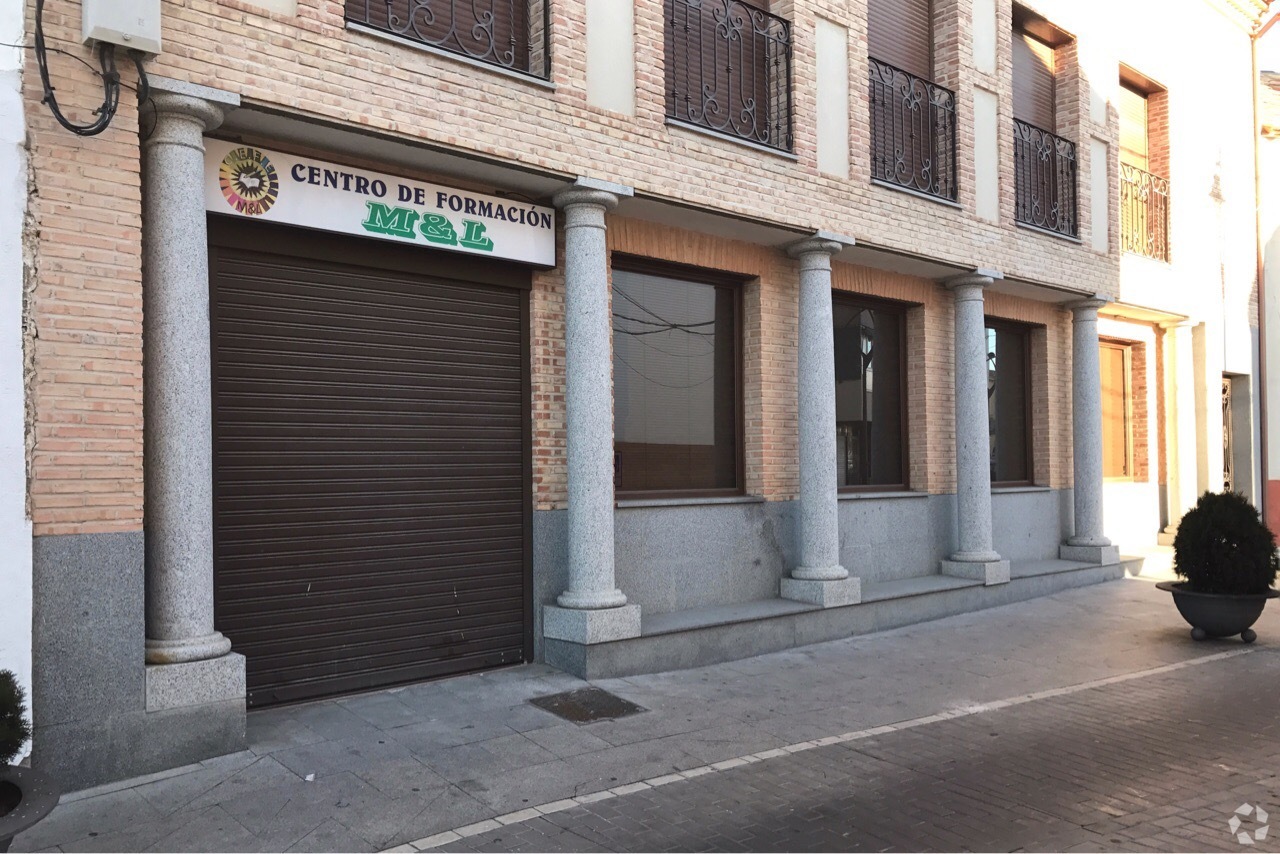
(131, 24)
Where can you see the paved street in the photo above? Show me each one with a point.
(1158, 763)
(1087, 719)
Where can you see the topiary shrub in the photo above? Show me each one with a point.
(14, 728)
(1222, 546)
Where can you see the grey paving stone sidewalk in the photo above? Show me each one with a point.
(374, 771)
(1158, 763)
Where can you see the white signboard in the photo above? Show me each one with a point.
(251, 182)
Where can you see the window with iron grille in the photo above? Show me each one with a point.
(1045, 169)
(728, 70)
(508, 34)
(913, 119)
(1144, 158)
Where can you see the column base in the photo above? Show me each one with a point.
(820, 573)
(599, 625)
(211, 646)
(1090, 554)
(825, 594)
(195, 683)
(988, 572)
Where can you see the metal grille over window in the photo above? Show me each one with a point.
(913, 132)
(1144, 213)
(1045, 168)
(511, 34)
(729, 70)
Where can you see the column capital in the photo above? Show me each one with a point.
(979, 278)
(206, 105)
(592, 191)
(819, 243)
(1086, 308)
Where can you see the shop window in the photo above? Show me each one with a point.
(1009, 402)
(870, 393)
(1117, 410)
(677, 426)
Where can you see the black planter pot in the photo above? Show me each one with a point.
(1218, 615)
(28, 796)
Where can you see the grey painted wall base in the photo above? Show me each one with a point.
(733, 641)
(988, 572)
(1090, 554)
(90, 686)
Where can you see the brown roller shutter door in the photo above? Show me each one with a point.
(1033, 81)
(371, 470)
(900, 32)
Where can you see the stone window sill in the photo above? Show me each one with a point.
(630, 503)
(1001, 490)
(875, 496)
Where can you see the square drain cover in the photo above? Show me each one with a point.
(587, 705)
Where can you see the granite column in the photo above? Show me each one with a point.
(1088, 542)
(592, 609)
(975, 556)
(178, 440)
(818, 577)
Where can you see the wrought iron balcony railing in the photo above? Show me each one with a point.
(510, 34)
(913, 132)
(1045, 186)
(729, 70)
(1144, 213)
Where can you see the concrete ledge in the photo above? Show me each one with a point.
(195, 683)
(786, 628)
(597, 625)
(825, 594)
(1090, 554)
(988, 572)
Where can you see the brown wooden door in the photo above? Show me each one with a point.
(371, 498)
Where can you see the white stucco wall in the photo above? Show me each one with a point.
(15, 527)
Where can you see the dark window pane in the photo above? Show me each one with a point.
(675, 384)
(868, 394)
(1007, 353)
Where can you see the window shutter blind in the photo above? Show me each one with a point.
(1133, 127)
(900, 32)
(1033, 81)
(1115, 412)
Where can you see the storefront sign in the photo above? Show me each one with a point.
(246, 181)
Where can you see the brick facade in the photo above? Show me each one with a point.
(84, 312)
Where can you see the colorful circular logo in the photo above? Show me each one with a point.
(249, 182)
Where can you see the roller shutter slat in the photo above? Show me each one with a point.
(900, 32)
(1133, 127)
(369, 465)
(1033, 81)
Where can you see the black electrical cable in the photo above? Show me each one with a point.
(110, 82)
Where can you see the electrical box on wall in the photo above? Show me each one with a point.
(132, 24)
